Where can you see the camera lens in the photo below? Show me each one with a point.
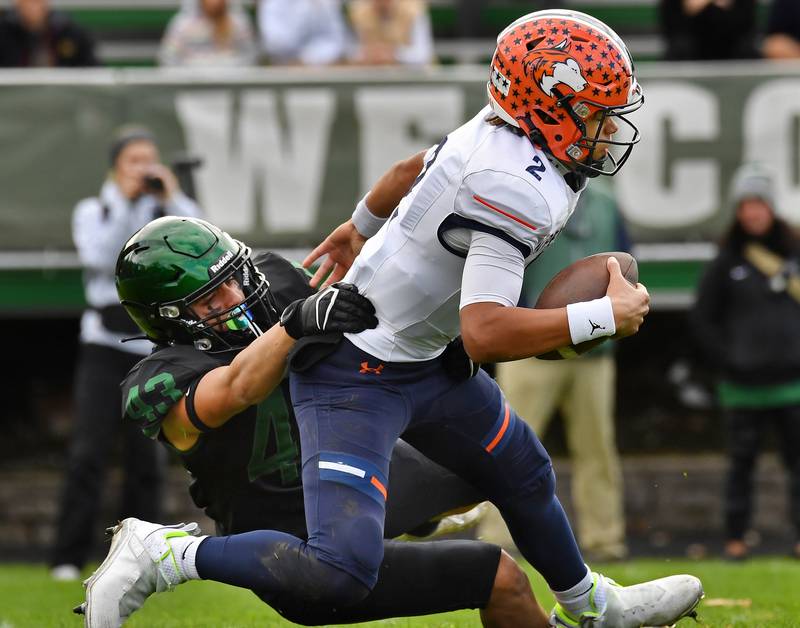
(153, 183)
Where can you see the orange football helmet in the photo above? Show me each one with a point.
(554, 69)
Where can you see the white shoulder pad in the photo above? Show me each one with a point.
(504, 205)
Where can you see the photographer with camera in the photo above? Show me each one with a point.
(138, 189)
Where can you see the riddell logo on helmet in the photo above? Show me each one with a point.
(223, 259)
(553, 66)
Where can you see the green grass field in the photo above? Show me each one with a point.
(759, 593)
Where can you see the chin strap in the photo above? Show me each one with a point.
(576, 180)
(132, 338)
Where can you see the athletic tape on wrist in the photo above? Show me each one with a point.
(590, 319)
(365, 222)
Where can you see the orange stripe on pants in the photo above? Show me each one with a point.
(377, 484)
(502, 431)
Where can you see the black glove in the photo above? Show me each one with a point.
(338, 308)
(457, 364)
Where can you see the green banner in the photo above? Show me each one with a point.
(288, 152)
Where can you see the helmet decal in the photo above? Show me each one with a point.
(553, 66)
(500, 82)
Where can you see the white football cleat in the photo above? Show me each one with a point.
(657, 603)
(140, 562)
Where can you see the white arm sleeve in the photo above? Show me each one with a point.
(493, 271)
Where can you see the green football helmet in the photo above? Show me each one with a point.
(172, 262)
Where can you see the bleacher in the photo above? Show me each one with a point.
(128, 31)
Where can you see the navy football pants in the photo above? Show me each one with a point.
(351, 409)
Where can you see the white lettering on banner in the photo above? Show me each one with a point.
(690, 193)
(388, 117)
(771, 137)
(255, 151)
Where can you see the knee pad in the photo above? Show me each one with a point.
(365, 540)
(340, 590)
(539, 488)
(544, 486)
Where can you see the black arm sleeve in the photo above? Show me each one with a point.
(191, 411)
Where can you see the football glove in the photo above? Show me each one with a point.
(337, 308)
(457, 364)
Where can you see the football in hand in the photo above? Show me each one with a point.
(584, 280)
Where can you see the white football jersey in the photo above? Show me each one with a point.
(482, 178)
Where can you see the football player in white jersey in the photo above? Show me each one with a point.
(450, 259)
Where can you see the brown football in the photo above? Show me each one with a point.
(584, 280)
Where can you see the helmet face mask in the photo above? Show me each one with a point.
(236, 326)
(586, 159)
(555, 70)
(171, 264)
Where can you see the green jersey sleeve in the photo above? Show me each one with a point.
(156, 383)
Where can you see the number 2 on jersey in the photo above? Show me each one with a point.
(536, 168)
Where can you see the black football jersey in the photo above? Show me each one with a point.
(251, 463)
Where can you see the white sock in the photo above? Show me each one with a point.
(577, 599)
(184, 548)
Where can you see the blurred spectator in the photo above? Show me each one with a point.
(747, 323)
(582, 389)
(709, 29)
(471, 22)
(308, 32)
(137, 190)
(209, 33)
(31, 35)
(391, 32)
(782, 40)
(469, 13)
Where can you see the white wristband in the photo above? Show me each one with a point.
(590, 319)
(365, 222)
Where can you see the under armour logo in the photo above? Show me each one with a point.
(595, 327)
(366, 368)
